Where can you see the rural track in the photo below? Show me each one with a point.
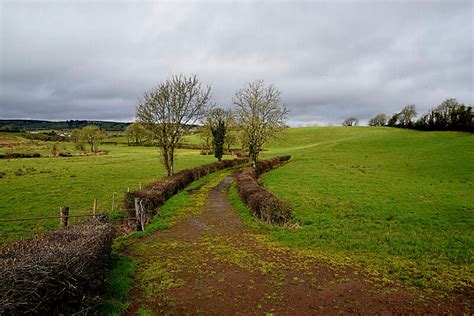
(212, 264)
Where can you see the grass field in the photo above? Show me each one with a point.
(400, 202)
(39, 186)
(397, 201)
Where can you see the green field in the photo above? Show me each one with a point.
(39, 186)
(400, 202)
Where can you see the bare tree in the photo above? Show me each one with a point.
(169, 109)
(350, 121)
(407, 115)
(261, 114)
(378, 120)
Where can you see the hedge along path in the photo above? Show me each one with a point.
(209, 262)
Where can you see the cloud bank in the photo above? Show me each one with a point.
(93, 60)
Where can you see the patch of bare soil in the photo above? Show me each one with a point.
(212, 264)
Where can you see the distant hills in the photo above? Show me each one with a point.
(25, 125)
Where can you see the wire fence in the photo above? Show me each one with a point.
(38, 225)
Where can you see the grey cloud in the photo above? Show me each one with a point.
(83, 59)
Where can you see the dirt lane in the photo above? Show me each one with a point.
(211, 264)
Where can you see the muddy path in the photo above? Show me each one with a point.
(211, 264)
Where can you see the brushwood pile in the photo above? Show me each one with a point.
(62, 272)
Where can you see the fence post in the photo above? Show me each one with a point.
(94, 207)
(64, 215)
(113, 201)
(138, 215)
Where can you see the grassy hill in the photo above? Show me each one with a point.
(399, 201)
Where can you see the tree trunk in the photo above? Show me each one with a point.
(254, 155)
(172, 159)
(166, 160)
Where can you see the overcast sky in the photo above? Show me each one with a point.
(93, 59)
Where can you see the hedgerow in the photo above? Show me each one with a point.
(155, 194)
(264, 204)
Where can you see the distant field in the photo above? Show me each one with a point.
(194, 139)
(400, 202)
(39, 186)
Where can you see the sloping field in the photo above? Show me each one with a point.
(400, 202)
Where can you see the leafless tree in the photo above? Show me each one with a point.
(378, 120)
(261, 115)
(350, 121)
(169, 109)
(407, 115)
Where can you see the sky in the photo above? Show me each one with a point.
(330, 60)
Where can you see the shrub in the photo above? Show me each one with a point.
(19, 155)
(61, 273)
(264, 204)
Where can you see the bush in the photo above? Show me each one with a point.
(19, 155)
(156, 193)
(264, 204)
(61, 273)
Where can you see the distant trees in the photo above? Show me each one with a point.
(232, 136)
(136, 133)
(449, 115)
(378, 120)
(75, 135)
(91, 134)
(261, 115)
(407, 115)
(168, 109)
(350, 121)
(206, 136)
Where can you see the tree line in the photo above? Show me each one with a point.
(450, 115)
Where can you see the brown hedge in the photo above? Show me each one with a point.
(60, 273)
(264, 204)
(19, 155)
(156, 193)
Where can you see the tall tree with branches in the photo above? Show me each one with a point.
(262, 115)
(169, 109)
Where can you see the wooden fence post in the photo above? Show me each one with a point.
(113, 201)
(94, 207)
(64, 216)
(138, 216)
